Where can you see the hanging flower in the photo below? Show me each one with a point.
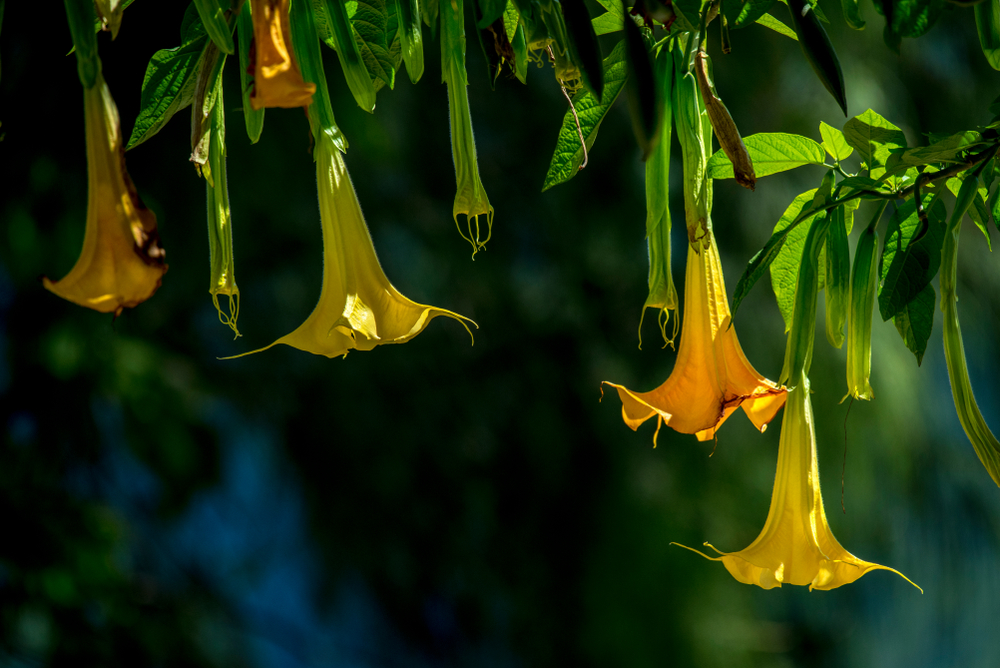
(712, 377)
(121, 263)
(796, 545)
(358, 308)
(277, 81)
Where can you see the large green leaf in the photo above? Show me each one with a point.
(568, 156)
(869, 132)
(988, 25)
(213, 17)
(771, 152)
(915, 321)
(610, 21)
(336, 31)
(785, 264)
(370, 20)
(949, 149)
(169, 83)
(908, 267)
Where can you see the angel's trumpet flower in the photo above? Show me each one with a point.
(796, 545)
(121, 263)
(277, 81)
(358, 308)
(712, 377)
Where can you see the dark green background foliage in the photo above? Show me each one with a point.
(435, 503)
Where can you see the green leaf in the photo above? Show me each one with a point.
(338, 34)
(861, 183)
(988, 26)
(370, 23)
(213, 17)
(868, 132)
(411, 39)
(949, 149)
(784, 265)
(978, 212)
(253, 118)
(852, 14)
(915, 321)
(511, 17)
(818, 49)
(771, 152)
(907, 267)
(777, 26)
(491, 10)
(568, 156)
(169, 83)
(742, 14)
(609, 22)
(907, 18)
(834, 142)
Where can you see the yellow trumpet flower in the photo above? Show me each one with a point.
(712, 377)
(277, 81)
(796, 545)
(358, 308)
(121, 263)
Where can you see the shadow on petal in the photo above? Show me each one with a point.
(121, 263)
(712, 377)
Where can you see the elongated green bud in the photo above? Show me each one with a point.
(470, 198)
(802, 334)
(342, 38)
(220, 231)
(213, 15)
(983, 441)
(838, 276)
(307, 51)
(662, 292)
(694, 132)
(81, 17)
(864, 281)
(644, 104)
(254, 118)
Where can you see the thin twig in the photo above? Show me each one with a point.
(579, 130)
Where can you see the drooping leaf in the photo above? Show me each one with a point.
(771, 152)
(834, 142)
(907, 18)
(340, 36)
(411, 38)
(169, 83)
(988, 26)
(818, 49)
(610, 21)
(777, 26)
(784, 266)
(868, 132)
(908, 266)
(568, 155)
(949, 149)
(978, 211)
(915, 321)
(370, 23)
(490, 11)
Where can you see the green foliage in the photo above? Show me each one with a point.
(337, 31)
(371, 22)
(818, 49)
(874, 138)
(988, 26)
(213, 14)
(771, 152)
(907, 18)
(777, 26)
(915, 320)
(568, 154)
(584, 47)
(170, 78)
(253, 118)
(835, 143)
(80, 14)
(741, 15)
(911, 255)
(644, 106)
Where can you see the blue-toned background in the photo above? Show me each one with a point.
(441, 504)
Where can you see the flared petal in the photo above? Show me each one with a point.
(712, 377)
(121, 263)
(796, 545)
(277, 81)
(358, 307)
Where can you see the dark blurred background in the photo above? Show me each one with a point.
(441, 504)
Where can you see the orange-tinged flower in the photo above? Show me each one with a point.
(358, 307)
(796, 545)
(121, 263)
(712, 377)
(277, 81)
